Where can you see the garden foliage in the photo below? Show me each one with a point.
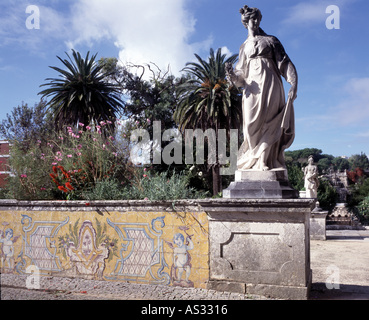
(84, 164)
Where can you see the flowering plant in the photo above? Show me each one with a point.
(88, 162)
(82, 157)
(68, 182)
(66, 164)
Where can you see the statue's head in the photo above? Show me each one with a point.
(249, 13)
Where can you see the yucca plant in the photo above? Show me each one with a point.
(82, 94)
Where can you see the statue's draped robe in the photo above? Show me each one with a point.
(268, 121)
(311, 181)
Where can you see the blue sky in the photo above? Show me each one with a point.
(332, 108)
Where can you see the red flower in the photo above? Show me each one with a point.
(63, 189)
(69, 186)
(62, 170)
(55, 169)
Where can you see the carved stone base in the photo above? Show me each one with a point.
(260, 246)
(318, 224)
(254, 184)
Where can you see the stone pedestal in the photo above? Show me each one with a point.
(253, 184)
(302, 194)
(318, 224)
(260, 246)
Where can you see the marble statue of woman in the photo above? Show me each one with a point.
(268, 120)
(311, 179)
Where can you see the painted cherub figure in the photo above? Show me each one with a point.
(181, 259)
(7, 250)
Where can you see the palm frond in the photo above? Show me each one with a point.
(206, 100)
(82, 93)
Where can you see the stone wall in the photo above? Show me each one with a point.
(255, 246)
(157, 243)
(260, 246)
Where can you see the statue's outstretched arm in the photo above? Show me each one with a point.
(235, 77)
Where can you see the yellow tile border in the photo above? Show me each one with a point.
(40, 228)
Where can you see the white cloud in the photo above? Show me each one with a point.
(52, 22)
(144, 30)
(303, 13)
(310, 13)
(352, 112)
(355, 108)
(364, 134)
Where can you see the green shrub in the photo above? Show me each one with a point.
(327, 195)
(107, 189)
(363, 211)
(358, 191)
(162, 186)
(145, 186)
(30, 179)
(295, 176)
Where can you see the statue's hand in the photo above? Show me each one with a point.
(229, 69)
(229, 73)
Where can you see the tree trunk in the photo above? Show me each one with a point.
(217, 180)
(217, 184)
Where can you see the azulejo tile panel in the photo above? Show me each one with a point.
(168, 248)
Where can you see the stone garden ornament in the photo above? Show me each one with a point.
(268, 119)
(311, 179)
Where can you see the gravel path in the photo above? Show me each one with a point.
(344, 260)
(13, 287)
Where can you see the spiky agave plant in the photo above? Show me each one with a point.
(82, 94)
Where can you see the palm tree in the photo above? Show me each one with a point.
(208, 101)
(82, 94)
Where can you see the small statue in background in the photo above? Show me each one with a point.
(311, 179)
